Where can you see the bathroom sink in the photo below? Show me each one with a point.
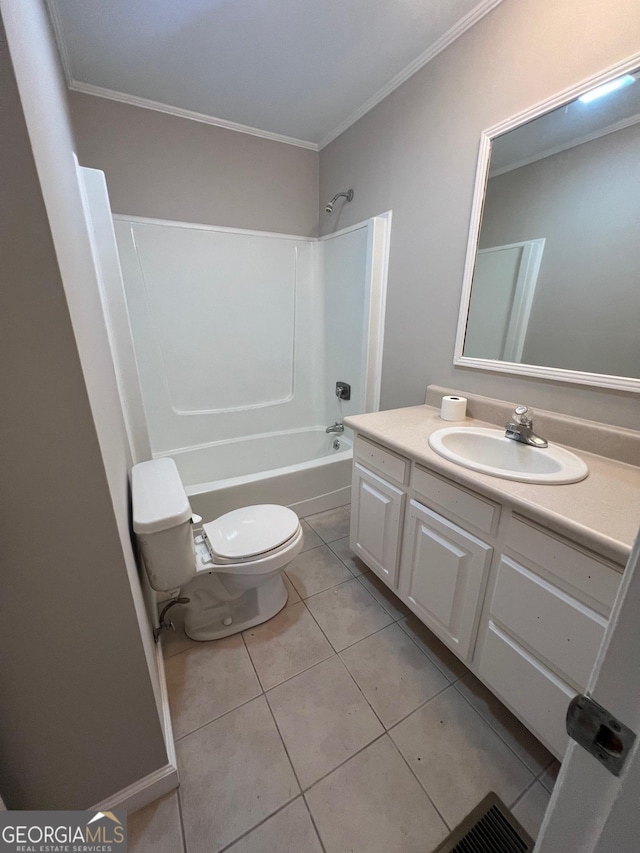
(490, 452)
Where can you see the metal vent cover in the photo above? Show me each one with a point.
(489, 828)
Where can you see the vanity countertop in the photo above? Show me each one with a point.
(601, 512)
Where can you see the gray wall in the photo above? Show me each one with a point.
(585, 202)
(78, 716)
(172, 168)
(416, 153)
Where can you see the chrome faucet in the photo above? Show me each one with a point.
(336, 427)
(520, 428)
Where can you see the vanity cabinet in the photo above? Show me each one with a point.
(524, 608)
(443, 576)
(544, 622)
(377, 508)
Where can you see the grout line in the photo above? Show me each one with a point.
(342, 763)
(260, 823)
(494, 728)
(314, 824)
(284, 745)
(181, 821)
(413, 773)
(219, 717)
(524, 793)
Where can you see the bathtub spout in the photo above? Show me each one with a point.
(336, 427)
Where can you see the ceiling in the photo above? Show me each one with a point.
(300, 71)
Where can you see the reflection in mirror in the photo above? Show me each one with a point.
(556, 278)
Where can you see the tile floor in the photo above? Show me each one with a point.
(342, 725)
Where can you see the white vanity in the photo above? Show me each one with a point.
(517, 579)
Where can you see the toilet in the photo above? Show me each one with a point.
(230, 569)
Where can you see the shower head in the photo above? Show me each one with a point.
(348, 195)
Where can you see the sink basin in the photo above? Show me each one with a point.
(490, 452)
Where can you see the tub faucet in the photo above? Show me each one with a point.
(336, 427)
(520, 428)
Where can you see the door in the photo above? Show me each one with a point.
(504, 282)
(443, 575)
(376, 516)
(592, 811)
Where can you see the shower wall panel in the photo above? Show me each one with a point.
(227, 327)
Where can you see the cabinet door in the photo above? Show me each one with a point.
(376, 514)
(443, 576)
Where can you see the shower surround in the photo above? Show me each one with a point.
(239, 339)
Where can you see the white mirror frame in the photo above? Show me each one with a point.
(621, 383)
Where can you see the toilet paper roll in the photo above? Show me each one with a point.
(453, 408)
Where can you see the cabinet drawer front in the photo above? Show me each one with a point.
(383, 460)
(470, 509)
(376, 515)
(443, 576)
(528, 687)
(564, 632)
(593, 578)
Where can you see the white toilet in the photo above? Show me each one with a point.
(231, 571)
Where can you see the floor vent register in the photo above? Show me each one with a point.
(489, 828)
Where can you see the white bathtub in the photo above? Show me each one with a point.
(296, 468)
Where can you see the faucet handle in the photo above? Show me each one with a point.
(523, 415)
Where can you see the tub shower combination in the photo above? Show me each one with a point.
(240, 338)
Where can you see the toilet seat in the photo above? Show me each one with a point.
(250, 532)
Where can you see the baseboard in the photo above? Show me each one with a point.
(322, 503)
(161, 781)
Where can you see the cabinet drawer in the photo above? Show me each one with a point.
(469, 509)
(564, 632)
(382, 460)
(595, 579)
(538, 696)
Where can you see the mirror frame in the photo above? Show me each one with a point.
(602, 380)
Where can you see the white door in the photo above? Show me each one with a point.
(504, 282)
(592, 811)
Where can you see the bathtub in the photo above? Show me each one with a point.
(296, 468)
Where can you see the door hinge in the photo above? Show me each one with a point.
(599, 732)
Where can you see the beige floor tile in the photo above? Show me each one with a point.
(286, 645)
(234, 773)
(525, 745)
(373, 804)
(288, 831)
(311, 538)
(531, 808)
(316, 570)
(392, 672)
(342, 550)
(550, 775)
(207, 681)
(384, 596)
(347, 508)
(443, 658)
(323, 719)
(176, 641)
(294, 598)
(156, 828)
(330, 525)
(458, 757)
(347, 613)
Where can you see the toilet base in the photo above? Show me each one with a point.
(213, 604)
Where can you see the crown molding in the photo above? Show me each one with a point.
(483, 8)
(465, 23)
(145, 103)
(573, 143)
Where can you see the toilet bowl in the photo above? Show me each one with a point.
(230, 569)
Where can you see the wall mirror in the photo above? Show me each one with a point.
(552, 278)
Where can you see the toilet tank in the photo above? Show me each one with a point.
(162, 523)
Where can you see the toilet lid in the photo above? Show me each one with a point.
(251, 530)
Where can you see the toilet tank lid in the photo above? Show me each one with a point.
(158, 496)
